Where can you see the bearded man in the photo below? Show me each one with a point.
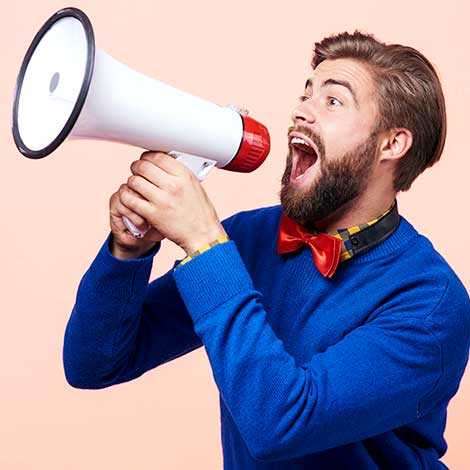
(336, 333)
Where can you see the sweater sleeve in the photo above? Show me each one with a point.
(372, 381)
(122, 326)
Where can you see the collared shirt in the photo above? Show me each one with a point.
(360, 238)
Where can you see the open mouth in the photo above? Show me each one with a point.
(304, 157)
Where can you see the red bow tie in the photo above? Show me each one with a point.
(326, 249)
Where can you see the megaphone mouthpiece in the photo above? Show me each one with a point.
(254, 147)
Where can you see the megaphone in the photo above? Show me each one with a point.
(67, 88)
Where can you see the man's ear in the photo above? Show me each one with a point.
(394, 143)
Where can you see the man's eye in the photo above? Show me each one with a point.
(335, 102)
(303, 98)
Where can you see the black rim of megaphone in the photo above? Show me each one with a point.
(83, 18)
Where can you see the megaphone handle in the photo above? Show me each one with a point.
(198, 165)
(132, 228)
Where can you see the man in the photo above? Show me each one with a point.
(336, 333)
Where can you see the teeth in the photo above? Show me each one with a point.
(298, 140)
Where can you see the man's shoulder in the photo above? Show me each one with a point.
(425, 285)
(438, 270)
(432, 263)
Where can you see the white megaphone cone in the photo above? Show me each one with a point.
(67, 88)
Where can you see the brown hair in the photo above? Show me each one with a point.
(409, 95)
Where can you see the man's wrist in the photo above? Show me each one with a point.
(196, 244)
(202, 249)
(126, 254)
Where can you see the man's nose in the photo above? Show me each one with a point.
(304, 112)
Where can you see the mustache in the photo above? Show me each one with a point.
(316, 139)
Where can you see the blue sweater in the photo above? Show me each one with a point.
(353, 372)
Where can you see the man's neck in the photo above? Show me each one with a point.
(357, 212)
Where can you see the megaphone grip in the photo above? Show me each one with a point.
(199, 166)
(133, 229)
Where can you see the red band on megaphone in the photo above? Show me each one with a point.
(254, 147)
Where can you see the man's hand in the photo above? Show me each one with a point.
(124, 244)
(170, 198)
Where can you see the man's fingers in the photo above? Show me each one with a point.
(152, 173)
(118, 210)
(122, 211)
(165, 162)
(134, 201)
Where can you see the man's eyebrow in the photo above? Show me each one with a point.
(333, 81)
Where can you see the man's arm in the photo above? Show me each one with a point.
(381, 376)
(121, 326)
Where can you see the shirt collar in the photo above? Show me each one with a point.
(361, 238)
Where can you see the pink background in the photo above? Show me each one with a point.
(54, 214)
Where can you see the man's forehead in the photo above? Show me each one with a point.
(349, 70)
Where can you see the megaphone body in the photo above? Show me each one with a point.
(68, 88)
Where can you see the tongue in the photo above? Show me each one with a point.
(306, 160)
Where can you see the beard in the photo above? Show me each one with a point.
(340, 181)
